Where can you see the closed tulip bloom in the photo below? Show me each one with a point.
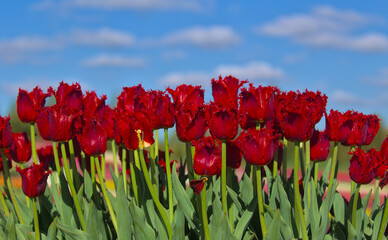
(359, 131)
(233, 154)
(187, 97)
(21, 147)
(94, 107)
(363, 165)
(109, 122)
(207, 157)
(338, 125)
(319, 146)
(69, 95)
(5, 132)
(223, 121)
(257, 104)
(127, 99)
(56, 123)
(46, 156)
(190, 125)
(34, 180)
(93, 138)
(28, 104)
(384, 151)
(373, 128)
(225, 91)
(258, 146)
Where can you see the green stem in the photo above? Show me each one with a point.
(137, 161)
(189, 162)
(383, 223)
(5, 166)
(333, 164)
(284, 161)
(72, 189)
(36, 220)
(115, 158)
(133, 177)
(302, 159)
(93, 170)
(73, 165)
(354, 210)
(316, 168)
(260, 201)
(275, 165)
(124, 169)
(103, 167)
(105, 193)
(168, 171)
(307, 146)
(223, 179)
(56, 158)
(3, 203)
(204, 213)
(154, 196)
(297, 202)
(33, 145)
(156, 144)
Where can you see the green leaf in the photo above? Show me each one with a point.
(246, 189)
(88, 185)
(270, 179)
(219, 225)
(233, 195)
(92, 226)
(124, 219)
(326, 171)
(324, 213)
(65, 202)
(73, 232)
(10, 227)
(52, 231)
(245, 219)
(141, 228)
(376, 225)
(179, 225)
(285, 205)
(376, 203)
(273, 232)
(352, 234)
(115, 178)
(339, 208)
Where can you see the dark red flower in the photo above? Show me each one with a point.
(29, 104)
(5, 132)
(109, 122)
(225, 91)
(93, 138)
(384, 151)
(319, 146)
(359, 131)
(233, 154)
(34, 180)
(69, 95)
(21, 147)
(56, 123)
(257, 104)
(363, 165)
(6, 152)
(46, 156)
(94, 107)
(162, 164)
(373, 128)
(127, 99)
(299, 112)
(258, 146)
(223, 121)
(338, 125)
(191, 127)
(207, 157)
(187, 96)
(197, 185)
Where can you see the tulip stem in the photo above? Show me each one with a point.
(156, 143)
(159, 206)
(72, 189)
(115, 158)
(354, 210)
(168, 172)
(152, 165)
(333, 164)
(297, 202)
(105, 193)
(260, 201)
(307, 146)
(275, 165)
(36, 220)
(56, 158)
(133, 177)
(103, 167)
(73, 165)
(302, 159)
(124, 169)
(3, 203)
(223, 179)
(316, 168)
(137, 161)
(33, 145)
(93, 170)
(189, 162)
(204, 213)
(384, 220)
(284, 161)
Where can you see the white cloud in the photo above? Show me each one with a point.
(206, 37)
(346, 98)
(104, 60)
(328, 27)
(251, 71)
(104, 37)
(194, 78)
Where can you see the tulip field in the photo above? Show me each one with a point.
(235, 179)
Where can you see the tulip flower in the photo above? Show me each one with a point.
(319, 146)
(5, 132)
(127, 99)
(187, 97)
(34, 180)
(258, 146)
(233, 154)
(363, 165)
(207, 157)
(69, 95)
(191, 126)
(94, 107)
(373, 128)
(197, 185)
(46, 156)
(223, 121)
(21, 148)
(338, 125)
(225, 91)
(93, 138)
(29, 103)
(359, 131)
(56, 123)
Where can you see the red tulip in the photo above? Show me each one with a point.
(69, 95)
(56, 123)
(29, 104)
(363, 165)
(258, 146)
(223, 122)
(359, 131)
(257, 104)
(384, 151)
(128, 97)
(233, 154)
(299, 112)
(197, 185)
(373, 128)
(94, 107)
(319, 146)
(5, 132)
(109, 122)
(21, 147)
(225, 91)
(187, 97)
(338, 125)
(34, 180)
(207, 157)
(93, 138)
(46, 156)
(191, 126)
(6, 152)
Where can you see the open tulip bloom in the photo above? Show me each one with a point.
(249, 168)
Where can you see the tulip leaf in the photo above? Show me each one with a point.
(219, 225)
(326, 171)
(179, 225)
(376, 225)
(314, 210)
(273, 232)
(65, 202)
(324, 213)
(376, 203)
(285, 205)
(124, 219)
(269, 176)
(233, 195)
(352, 234)
(88, 186)
(92, 226)
(73, 232)
(246, 189)
(245, 219)
(141, 228)
(339, 208)
(114, 177)
(52, 230)
(10, 227)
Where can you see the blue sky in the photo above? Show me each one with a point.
(337, 47)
